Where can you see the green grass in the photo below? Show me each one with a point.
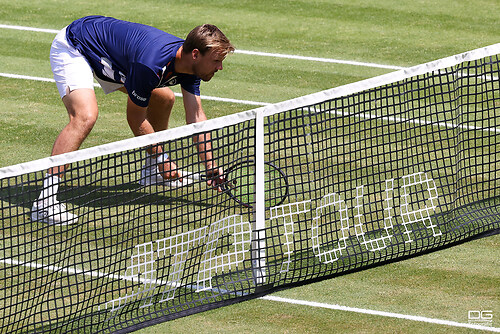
(388, 32)
(445, 285)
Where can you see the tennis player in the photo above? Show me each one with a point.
(142, 62)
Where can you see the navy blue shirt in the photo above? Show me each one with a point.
(139, 56)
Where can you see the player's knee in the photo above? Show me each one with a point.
(164, 96)
(84, 121)
(168, 98)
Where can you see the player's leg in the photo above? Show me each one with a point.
(81, 105)
(158, 114)
(160, 107)
(74, 80)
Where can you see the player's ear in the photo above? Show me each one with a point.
(195, 54)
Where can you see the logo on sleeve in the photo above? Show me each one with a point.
(172, 81)
(169, 80)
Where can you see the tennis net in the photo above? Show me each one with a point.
(320, 186)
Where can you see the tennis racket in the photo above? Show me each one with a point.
(240, 183)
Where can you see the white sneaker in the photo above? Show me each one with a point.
(54, 213)
(151, 175)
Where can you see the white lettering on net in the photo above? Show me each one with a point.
(381, 242)
(178, 246)
(331, 255)
(141, 262)
(423, 214)
(286, 215)
(210, 262)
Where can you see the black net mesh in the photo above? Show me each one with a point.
(353, 182)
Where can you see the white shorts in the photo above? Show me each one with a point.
(71, 69)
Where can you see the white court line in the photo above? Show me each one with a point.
(76, 271)
(392, 119)
(317, 59)
(204, 97)
(51, 31)
(72, 271)
(255, 103)
(253, 53)
(381, 313)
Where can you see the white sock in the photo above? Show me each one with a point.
(50, 187)
(150, 161)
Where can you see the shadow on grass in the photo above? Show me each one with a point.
(96, 196)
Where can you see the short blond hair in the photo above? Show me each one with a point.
(206, 37)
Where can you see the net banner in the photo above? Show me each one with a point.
(320, 186)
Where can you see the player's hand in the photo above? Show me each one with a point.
(169, 171)
(216, 178)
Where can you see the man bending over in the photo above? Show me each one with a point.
(142, 62)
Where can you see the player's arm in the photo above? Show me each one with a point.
(203, 141)
(136, 118)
